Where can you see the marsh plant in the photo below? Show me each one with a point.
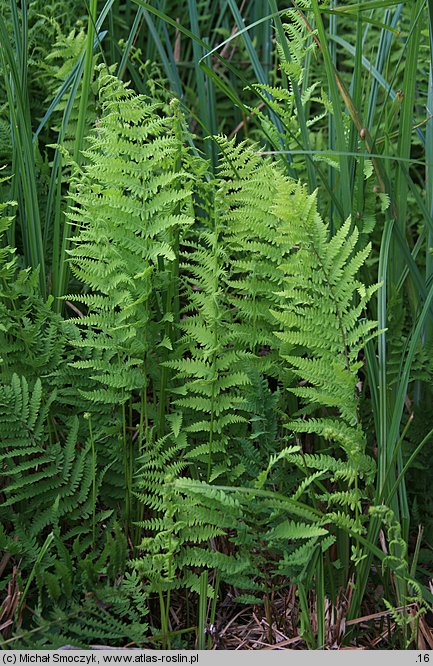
(216, 315)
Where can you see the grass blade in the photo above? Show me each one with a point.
(19, 108)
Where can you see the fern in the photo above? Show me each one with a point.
(231, 280)
(193, 290)
(110, 616)
(322, 320)
(47, 480)
(248, 190)
(211, 394)
(248, 266)
(126, 211)
(58, 65)
(32, 336)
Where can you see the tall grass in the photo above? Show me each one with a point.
(14, 58)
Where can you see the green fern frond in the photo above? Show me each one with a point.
(128, 206)
(321, 320)
(46, 480)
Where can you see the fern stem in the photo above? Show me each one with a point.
(215, 344)
(143, 428)
(320, 601)
(92, 442)
(202, 611)
(163, 615)
(130, 444)
(146, 418)
(168, 332)
(46, 545)
(127, 472)
(172, 298)
(211, 426)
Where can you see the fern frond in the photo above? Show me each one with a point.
(321, 319)
(130, 203)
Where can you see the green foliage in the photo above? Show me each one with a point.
(210, 395)
(201, 415)
(128, 206)
(321, 303)
(31, 335)
(110, 617)
(254, 249)
(322, 320)
(63, 478)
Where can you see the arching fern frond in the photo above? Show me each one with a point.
(208, 367)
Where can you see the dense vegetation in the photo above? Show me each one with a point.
(216, 326)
